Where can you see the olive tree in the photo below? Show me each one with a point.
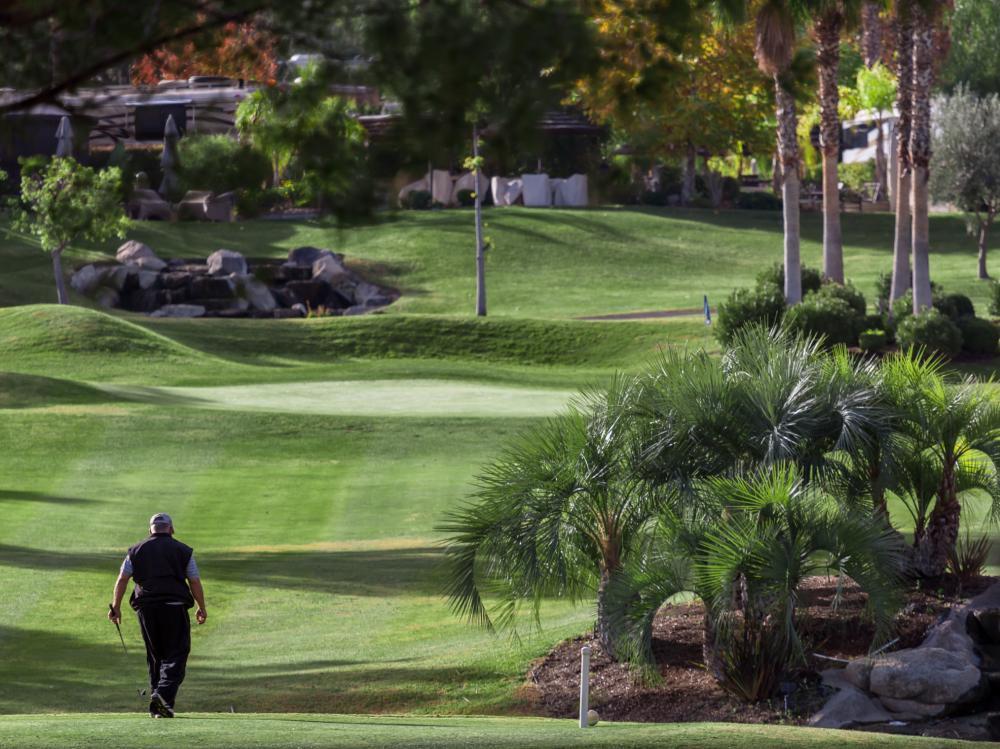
(966, 161)
(65, 202)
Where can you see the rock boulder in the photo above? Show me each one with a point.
(180, 310)
(137, 253)
(927, 675)
(849, 707)
(306, 257)
(226, 262)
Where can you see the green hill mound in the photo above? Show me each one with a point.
(28, 391)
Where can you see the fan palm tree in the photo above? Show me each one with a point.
(958, 426)
(556, 515)
(773, 397)
(779, 529)
(902, 240)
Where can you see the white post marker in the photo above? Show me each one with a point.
(584, 684)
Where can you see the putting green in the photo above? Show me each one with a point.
(432, 398)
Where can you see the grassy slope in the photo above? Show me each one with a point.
(86, 344)
(548, 264)
(277, 732)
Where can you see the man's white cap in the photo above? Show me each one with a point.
(161, 518)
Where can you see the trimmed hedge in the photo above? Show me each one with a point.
(830, 317)
(848, 293)
(812, 279)
(931, 331)
(764, 305)
(979, 336)
(872, 340)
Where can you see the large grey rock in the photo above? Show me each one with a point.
(180, 310)
(928, 675)
(306, 256)
(912, 709)
(849, 707)
(85, 280)
(226, 262)
(328, 268)
(137, 253)
(147, 278)
(370, 295)
(858, 673)
(107, 297)
(255, 293)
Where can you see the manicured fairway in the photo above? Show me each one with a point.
(280, 731)
(441, 398)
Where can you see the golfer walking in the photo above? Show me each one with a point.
(167, 584)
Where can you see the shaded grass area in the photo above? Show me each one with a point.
(547, 263)
(315, 537)
(27, 391)
(110, 731)
(84, 344)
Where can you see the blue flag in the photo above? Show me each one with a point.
(708, 312)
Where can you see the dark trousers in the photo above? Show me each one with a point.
(166, 630)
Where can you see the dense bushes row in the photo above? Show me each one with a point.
(839, 314)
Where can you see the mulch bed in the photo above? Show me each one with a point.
(687, 693)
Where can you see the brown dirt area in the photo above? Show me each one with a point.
(687, 693)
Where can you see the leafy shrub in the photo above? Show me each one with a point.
(418, 200)
(854, 298)
(812, 280)
(855, 176)
(880, 322)
(758, 201)
(931, 331)
(466, 198)
(764, 305)
(883, 289)
(995, 298)
(832, 318)
(979, 336)
(251, 203)
(872, 340)
(32, 165)
(754, 659)
(955, 306)
(221, 164)
(967, 558)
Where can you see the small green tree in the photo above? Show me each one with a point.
(876, 87)
(966, 162)
(65, 202)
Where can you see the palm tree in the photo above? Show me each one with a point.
(779, 529)
(830, 22)
(958, 427)
(776, 38)
(557, 514)
(924, 19)
(902, 241)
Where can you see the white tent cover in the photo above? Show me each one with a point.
(536, 190)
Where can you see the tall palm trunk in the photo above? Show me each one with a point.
(603, 630)
(788, 150)
(828, 35)
(920, 154)
(871, 33)
(941, 533)
(904, 104)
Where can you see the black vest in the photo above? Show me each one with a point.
(159, 566)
